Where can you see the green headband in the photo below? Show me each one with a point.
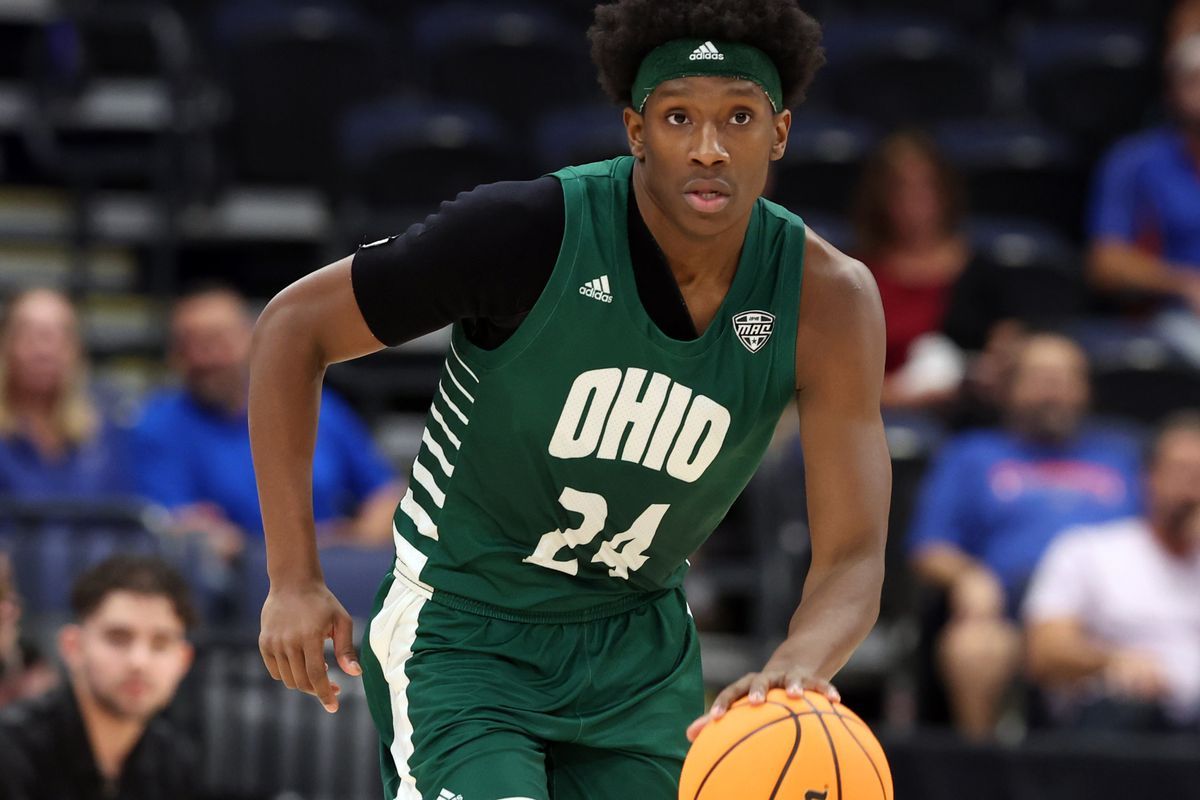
(685, 58)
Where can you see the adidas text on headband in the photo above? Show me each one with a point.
(684, 58)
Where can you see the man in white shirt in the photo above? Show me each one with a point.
(1113, 613)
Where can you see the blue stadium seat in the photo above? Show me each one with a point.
(1093, 80)
(905, 71)
(580, 135)
(404, 156)
(518, 59)
(975, 16)
(1017, 168)
(132, 57)
(261, 740)
(292, 71)
(1032, 272)
(913, 439)
(820, 168)
(1149, 13)
(1141, 389)
(50, 542)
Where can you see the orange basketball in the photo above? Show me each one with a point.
(788, 748)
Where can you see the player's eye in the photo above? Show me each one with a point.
(677, 118)
(741, 118)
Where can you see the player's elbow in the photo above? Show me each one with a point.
(282, 331)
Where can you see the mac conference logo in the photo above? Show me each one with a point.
(753, 328)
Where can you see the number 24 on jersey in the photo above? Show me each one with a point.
(624, 552)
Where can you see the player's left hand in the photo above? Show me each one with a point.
(795, 680)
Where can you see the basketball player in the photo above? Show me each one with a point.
(626, 335)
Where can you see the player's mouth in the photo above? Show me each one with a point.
(708, 197)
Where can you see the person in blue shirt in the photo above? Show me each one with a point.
(1144, 222)
(54, 441)
(995, 499)
(192, 444)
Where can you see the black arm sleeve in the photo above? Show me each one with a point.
(483, 258)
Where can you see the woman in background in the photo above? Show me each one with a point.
(54, 442)
(908, 220)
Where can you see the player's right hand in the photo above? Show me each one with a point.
(296, 621)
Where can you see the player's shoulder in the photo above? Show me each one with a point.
(825, 262)
(611, 169)
(523, 197)
(836, 286)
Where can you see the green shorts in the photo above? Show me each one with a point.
(473, 707)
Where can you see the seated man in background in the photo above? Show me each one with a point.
(54, 441)
(1145, 223)
(1113, 612)
(991, 504)
(98, 736)
(23, 671)
(193, 443)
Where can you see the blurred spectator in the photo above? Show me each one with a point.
(1184, 21)
(1145, 218)
(992, 503)
(908, 219)
(193, 444)
(1114, 610)
(98, 736)
(53, 439)
(23, 672)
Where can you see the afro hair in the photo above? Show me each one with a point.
(625, 31)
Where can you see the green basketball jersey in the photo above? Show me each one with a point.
(568, 473)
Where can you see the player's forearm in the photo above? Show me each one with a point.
(1116, 266)
(286, 371)
(839, 608)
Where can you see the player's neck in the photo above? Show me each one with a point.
(693, 259)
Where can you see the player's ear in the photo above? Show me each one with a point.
(635, 129)
(783, 125)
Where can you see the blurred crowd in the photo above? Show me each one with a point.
(1056, 550)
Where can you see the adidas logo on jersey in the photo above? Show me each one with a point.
(707, 52)
(597, 290)
(445, 794)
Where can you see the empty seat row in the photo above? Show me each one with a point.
(301, 64)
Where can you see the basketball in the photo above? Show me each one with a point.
(788, 748)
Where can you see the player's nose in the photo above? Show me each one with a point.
(707, 148)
